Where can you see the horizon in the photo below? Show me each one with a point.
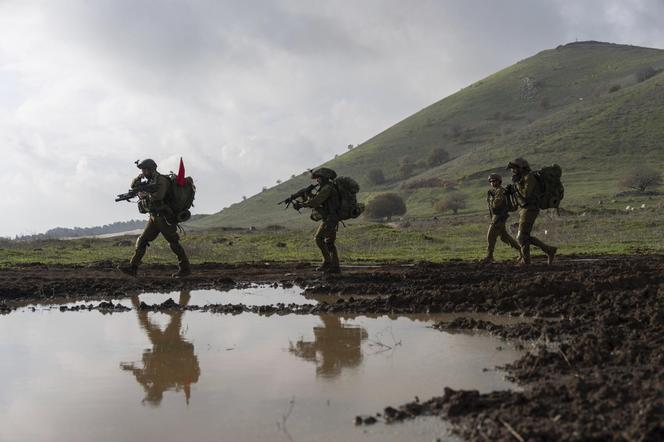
(224, 100)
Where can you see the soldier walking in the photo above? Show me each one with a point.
(526, 189)
(499, 206)
(325, 204)
(162, 220)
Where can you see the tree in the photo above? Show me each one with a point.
(406, 167)
(438, 156)
(453, 201)
(385, 205)
(376, 176)
(641, 179)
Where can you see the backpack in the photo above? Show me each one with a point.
(348, 205)
(551, 189)
(181, 198)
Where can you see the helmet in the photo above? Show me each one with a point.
(519, 163)
(147, 164)
(495, 177)
(324, 172)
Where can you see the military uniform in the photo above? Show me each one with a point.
(497, 199)
(325, 205)
(162, 220)
(526, 195)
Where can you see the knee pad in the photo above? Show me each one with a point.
(141, 243)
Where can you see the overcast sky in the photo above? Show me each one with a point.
(247, 92)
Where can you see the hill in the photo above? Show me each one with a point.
(594, 108)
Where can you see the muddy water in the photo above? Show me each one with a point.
(199, 376)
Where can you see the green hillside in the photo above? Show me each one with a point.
(596, 109)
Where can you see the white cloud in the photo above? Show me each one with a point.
(246, 92)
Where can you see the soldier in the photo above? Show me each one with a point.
(499, 203)
(525, 190)
(325, 205)
(162, 220)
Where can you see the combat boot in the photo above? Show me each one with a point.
(551, 254)
(486, 260)
(181, 273)
(332, 269)
(128, 269)
(323, 267)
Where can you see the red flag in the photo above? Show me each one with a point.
(180, 178)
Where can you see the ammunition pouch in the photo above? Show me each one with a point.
(143, 206)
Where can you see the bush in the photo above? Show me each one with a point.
(641, 179)
(438, 156)
(406, 167)
(614, 88)
(646, 73)
(385, 205)
(376, 176)
(453, 201)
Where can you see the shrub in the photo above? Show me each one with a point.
(406, 167)
(438, 156)
(453, 201)
(614, 88)
(385, 205)
(641, 178)
(428, 183)
(646, 73)
(376, 176)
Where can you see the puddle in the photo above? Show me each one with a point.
(200, 376)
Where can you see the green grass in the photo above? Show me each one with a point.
(600, 229)
(488, 123)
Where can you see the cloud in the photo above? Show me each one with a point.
(246, 92)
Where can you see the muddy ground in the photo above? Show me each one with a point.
(595, 373)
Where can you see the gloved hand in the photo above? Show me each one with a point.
(297, 205)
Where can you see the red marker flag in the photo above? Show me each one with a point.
(180, 178)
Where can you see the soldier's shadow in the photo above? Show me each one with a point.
(171, 363)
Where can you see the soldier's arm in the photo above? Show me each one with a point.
(529, 187)
(319, 198)
(136, 181)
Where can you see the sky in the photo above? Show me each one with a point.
(246, 92)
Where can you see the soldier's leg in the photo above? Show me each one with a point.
(330, 238)
(550, 251)
(170, 232)
(491, 237)
(508, 239)
(319, 237)
(526, 221)
(149, 234)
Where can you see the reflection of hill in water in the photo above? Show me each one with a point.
(335, 346)
(171, 363)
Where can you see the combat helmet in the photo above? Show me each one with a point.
(147, 164)
(495, 177)
(519, 163)
(324, 172)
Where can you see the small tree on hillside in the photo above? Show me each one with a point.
(385, 205)
(376, 176)
(406, 167)
(641, 179)
(437, 157)
(453, 201)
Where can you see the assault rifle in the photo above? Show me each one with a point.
(142, 187)
(300, 194)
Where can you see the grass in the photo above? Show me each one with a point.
(601, 229)
(571, 119)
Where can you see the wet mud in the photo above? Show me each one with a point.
(595, 365)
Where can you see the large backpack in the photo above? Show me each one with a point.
(551, 189)
(348, 205)
(181, 198)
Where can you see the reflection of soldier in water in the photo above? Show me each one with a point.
(335, 346)
(171, 363)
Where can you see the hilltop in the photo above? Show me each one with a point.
(594, 108)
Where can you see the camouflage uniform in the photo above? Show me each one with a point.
(325, 205)
(162, 220)
(526, 195)
(498, 205)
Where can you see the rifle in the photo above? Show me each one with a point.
(300, 194)
(142, 187)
